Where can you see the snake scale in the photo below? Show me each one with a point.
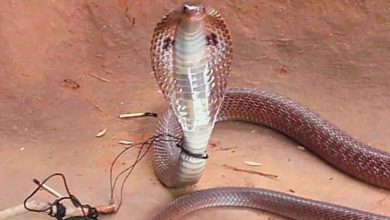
(192, 45)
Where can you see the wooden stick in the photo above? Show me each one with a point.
(103, 209)
(70, 212)
(19, 209)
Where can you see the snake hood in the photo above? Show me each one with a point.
(191, 54)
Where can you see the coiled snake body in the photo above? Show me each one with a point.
(175, 167)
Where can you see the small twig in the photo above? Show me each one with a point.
(48, 189)
(271, 176)
(380, 201)
(94, 105)
(99, 77)
(138, 114)
(227, 148)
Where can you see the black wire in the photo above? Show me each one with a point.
(140, 155)
(60, 210)
(112, 185)
(139, 158)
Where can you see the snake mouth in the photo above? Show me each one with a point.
(193, 11)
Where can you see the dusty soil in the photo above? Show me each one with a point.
(333, 58)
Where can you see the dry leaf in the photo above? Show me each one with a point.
(124, 142)
(102, 132)
(252, 163)
(70, 83)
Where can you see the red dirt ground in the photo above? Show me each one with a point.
(333, 58)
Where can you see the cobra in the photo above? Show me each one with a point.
(191, 53)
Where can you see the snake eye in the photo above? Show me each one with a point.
(185, 8)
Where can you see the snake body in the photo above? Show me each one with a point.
(176, 168)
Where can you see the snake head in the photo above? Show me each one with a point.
(193, 11)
